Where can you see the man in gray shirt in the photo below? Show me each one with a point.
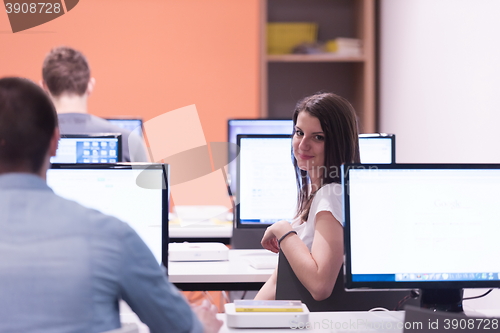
(67, 80)
(64, 267)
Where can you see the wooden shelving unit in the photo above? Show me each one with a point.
(290, 77)
(312, 58)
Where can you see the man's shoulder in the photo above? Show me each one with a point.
(72, 121)
(105, 124)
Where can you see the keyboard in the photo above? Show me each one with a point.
(264, 262)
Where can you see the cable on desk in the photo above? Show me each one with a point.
(474, 297)
(378, 309)
(209, 297)
(225, 297)
(231, 197)
(414, 294)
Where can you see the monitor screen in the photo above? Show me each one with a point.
(265, 172)
(128, 123)
(426, 226)
(266, 180)
(88, 148)
(377, 148)
(113, 189)
(251, 126)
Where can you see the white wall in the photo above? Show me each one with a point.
(440, 79)
(440, 86)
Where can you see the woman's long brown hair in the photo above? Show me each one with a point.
(339, 123)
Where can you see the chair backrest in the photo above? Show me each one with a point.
(288, 287)
(247, 238)
(126, 328)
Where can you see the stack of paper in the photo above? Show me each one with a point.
(344, 46)
(265, 314)
(244, 305)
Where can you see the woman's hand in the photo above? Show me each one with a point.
(273, 233)
(269, 241)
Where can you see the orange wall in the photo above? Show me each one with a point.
(154, 56)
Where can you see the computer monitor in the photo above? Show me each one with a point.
(266, 188)
(251, 126)
(428, 226)
(134, 193)
(89, 148)
(377, 148)
(128, 123)
(266, 185)
(374, 148)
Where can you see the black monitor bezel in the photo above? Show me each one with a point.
(128, 166)
(376, 136)
(394, 285)
(238, 223)
(249, 120)
(130, 119)
(99, 136)
(253, 120)
(230, 156)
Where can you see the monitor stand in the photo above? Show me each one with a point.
(449, 300)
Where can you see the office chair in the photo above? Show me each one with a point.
(288, 287)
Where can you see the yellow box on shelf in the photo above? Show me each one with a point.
(282, 37)
(344, 46)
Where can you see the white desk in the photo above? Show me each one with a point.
(332, 322)
(234, 274)
(337, 322)
(201, 231)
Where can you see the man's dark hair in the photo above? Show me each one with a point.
(66, 71)
(27, 123)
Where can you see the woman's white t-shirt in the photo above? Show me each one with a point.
(328, 198)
